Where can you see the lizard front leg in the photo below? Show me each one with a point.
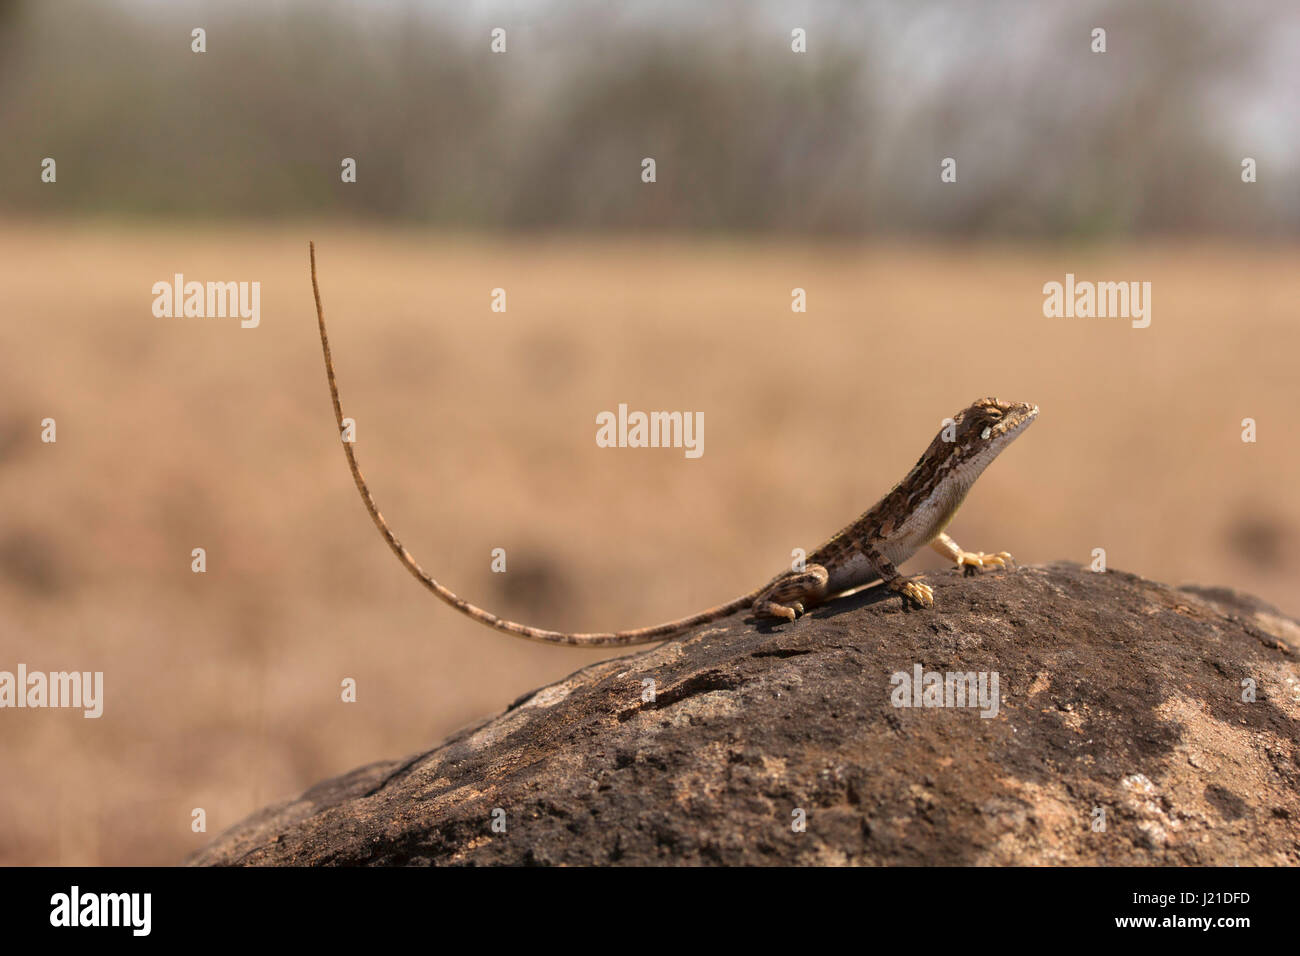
(912, 590)
(791, 592)
(970, 562)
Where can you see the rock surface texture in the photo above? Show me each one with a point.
(1121, 737)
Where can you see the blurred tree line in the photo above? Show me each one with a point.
(1050, 138)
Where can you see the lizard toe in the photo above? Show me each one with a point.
(772, 609)
(916, 593)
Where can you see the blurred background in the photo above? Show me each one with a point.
(476, 429)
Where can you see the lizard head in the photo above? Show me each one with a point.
(980, 431)
(976, 436)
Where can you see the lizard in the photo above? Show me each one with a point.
(913, 514)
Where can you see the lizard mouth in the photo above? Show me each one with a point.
(1015, 420)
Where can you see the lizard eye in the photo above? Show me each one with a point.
(986, 432)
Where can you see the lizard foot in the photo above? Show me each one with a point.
(972, 562)
(788, 594)
(922, 595)
(772, 609)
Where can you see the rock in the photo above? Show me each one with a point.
(1121, 705)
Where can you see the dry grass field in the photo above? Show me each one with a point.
(476, 431)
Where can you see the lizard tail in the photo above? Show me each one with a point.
(644, 635)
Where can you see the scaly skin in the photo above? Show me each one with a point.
(913, 514)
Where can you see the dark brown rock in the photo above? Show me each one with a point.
(1117, 694)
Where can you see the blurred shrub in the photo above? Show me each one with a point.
(1050, 138)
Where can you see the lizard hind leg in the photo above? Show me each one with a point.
(789, 595)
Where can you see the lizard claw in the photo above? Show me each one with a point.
(772, 609)
(922, 595)
(972, 562)
(788, 595)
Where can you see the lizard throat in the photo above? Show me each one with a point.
(939, 488)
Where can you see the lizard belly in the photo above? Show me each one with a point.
(852, 572)
(922, 525)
